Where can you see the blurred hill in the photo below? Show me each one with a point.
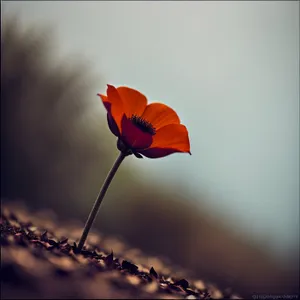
(56, 150)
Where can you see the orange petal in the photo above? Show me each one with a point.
(160, 115)
(158, 152)
(134, 102)
(133, 137)
(173, 136)
(105, 101)
(112, 125)
(117, 108)
(111, 122)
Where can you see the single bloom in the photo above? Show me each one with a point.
(153, 130)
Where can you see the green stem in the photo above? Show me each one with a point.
(100, 197)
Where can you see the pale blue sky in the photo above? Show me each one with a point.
(230, 70)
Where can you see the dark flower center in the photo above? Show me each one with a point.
(143, 124)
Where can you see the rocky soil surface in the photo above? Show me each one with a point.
(39, 260)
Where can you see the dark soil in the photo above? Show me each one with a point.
(39, 260)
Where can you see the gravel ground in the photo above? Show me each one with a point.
(39, 261)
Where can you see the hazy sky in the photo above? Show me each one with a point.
(230, 70)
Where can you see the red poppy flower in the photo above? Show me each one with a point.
(153, 130)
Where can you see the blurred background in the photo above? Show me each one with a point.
(230, 212)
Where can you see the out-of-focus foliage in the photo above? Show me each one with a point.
(56, 150)
(51, 146)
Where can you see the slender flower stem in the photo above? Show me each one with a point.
(100, 197)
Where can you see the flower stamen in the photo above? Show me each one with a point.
(143, 124)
